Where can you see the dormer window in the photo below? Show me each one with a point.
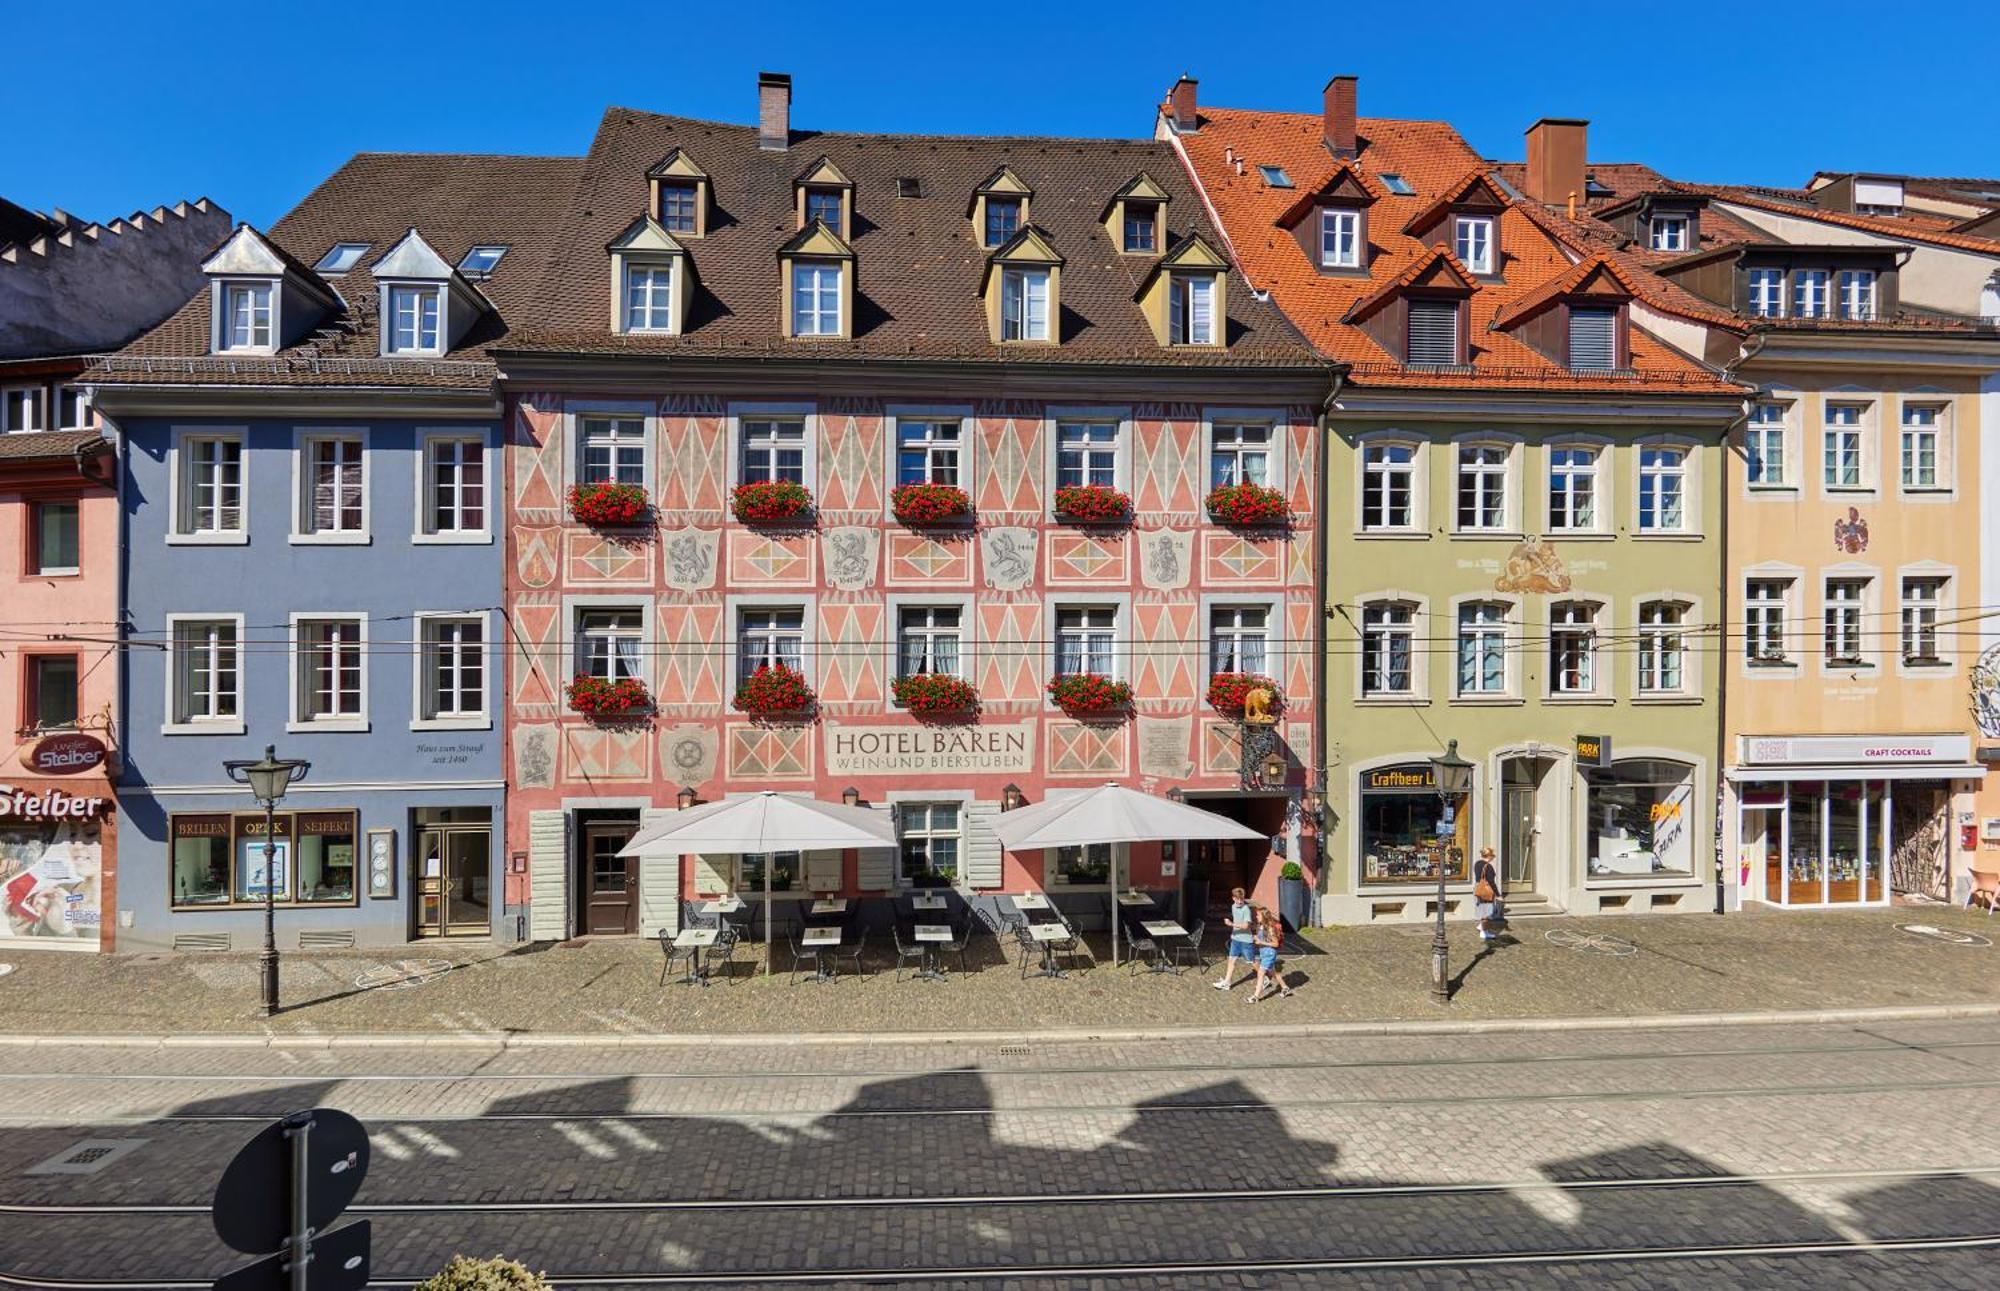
(1192, 302)
(413, 319)
(1185, 298)
(1767, 293)
(1433, 333)
(1142, 228)
(649, 272)
(1593, 339)
(679, 195)
(1809, 293)
(816, 298)
(823, 205)
(825, 195)
(426, 305)
(1857, 294)
(816, 277)
(1003, 220)
(1472, 242)
(260, 299)
(247, 317)
(649, 297)
(677, 207)
(1669, 233)
(1339, 238)
(1135, 217)
(1024, 305)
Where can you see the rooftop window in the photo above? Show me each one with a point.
(1592, 188)
(1396, 184)
(909, 186)
(341, 257)
(481, 261)
(1275, 176)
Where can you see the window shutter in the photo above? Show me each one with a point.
(659, 881)
(1593, 339)
(875, 867)
(1433, 332)
(548, 872)
(822, 871)
(982, 845)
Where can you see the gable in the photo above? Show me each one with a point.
(1345, 187)
(818, 242)
(645, 234)
(676, 165)
(1476, 194)
(412, 257)
(244, 252)
(1193, 252)
(1029, 246)
(824, 174)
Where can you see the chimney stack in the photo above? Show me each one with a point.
(1181, 97)
(774, 110)
(1557, 159)
(1341, 139)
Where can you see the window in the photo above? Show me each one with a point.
(1593, 339)
(1079, 866)
(1921, 437)
(677, 207)
(1643, 823)
(56, 548)
(1388, 474)
(823, 205)
(1400, 815)
(1003, 219)
(1142, 227)
(1482, 648)
(20, 409)
(52, 693)
(649, 298)
(1275, 176)
(1084, 639)
(1572, 648)
(1857, 294)
(1660, 648)
(1024, 305)
(614, 450)
(1239, 453)
(909, 186)
(608, 642)
(329, 669)
(1340, 239)
(1842, 453)
(1670, 233)
(212, 485)
(1809, 287)
(246, 316)
(453, 662)
(455, 486)
(750, 866)
(927, 840)
(413, 319)
(1482, 487)
(1433, 335)
(815, 299)
(206, 684)
(1767, 293)
(1472, 241)
(1844, 597)
(1192, 305)
(1921, 597)
(1764, 445)
(333, 486)
(341, 257)
(1396, 184)
(481, 261)
(1573, 489)
(1239, 639)
(1388, 636)
(1662, 490)
(926, 451)
(73, 410)
(218, 859)
(1764, 619)
(927, 640)
(770, 638)
(774, 450)
(1086, 453)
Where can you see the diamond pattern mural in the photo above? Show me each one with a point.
(851, 652)
(1086, 749)
(1089, 559)
(1009, 460)
(770, 752)
(594, 560)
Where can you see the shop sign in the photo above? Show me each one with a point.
(1810, 749)
(64, 753)
(1593, 750)
(50, 804)
(1412, 777)
(926, 750)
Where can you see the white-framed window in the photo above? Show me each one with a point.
(1764, 604)
(1573, 648)
(1809, 293)
(330, 671)
(677, 207)
(1922, 446)
(247, 314)
(1388, 486)
(1482, 648)
(1767, 293)
(610, 641)
(414, 317)
(614, 450)
(1003, 220)
(211, 485)
(1239, 453)
(21, 409)
(1662, 660)
(333, 499)
(1593, 339)
(1841, 445)
(481, 261)
(927, 843)
(206, 677)
(774, 448)
(770, 637)
(1142, 227)
(1922, 597)
(1482, 486)
(1024, 305)
(1433, 333)
(454, 486)
(1669, 233)
(824, 205)
(73, 410)
(928, 638)
(1239, 639)
(649, 297)
(1192, 318)
(1086, 453)
(1662, 489)
(1473, 242)
(1845, 599)
(451, 669)
(340, 257)
(1388, 644)
(1573, 489)
(927, 450)
(1086, 640)
(1340, 239)
(1857, 294)
(815, 298)
(1764, 445)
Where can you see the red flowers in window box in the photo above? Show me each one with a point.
(1227, 689)
(929, 503)
(1086, 692)
(770, 692)
(936, 692)
(608, 700)
(606, 504)
(1248, 504)
(1093, 504)
(771, 502)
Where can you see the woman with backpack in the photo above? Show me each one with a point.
(1269, 936)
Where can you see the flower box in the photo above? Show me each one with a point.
(771, 502)
(1093, 504)
(1247, 504)
(1086, 692)
(1227, 689)
(929, 503)
(770, 692)
(607, 700)
(608, 505)
(936, 692)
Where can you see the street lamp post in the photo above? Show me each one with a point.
(268, 778)
(1452, 775)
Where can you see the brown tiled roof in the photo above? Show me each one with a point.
(918, 264)
(46, 444)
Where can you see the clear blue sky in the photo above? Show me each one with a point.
(125, 106)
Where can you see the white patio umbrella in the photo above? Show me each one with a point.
(1112, 813)
(765, 822)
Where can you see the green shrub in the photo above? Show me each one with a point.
(1291, 871)
(496, 1274)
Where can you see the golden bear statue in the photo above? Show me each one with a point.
(1257, 702)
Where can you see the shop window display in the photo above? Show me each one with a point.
(1640, 820)
(218, 859)
(49, 878)
(1400, 811)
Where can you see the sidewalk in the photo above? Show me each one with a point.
(1755, 962)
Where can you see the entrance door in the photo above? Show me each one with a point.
(611, 881)
(454, 882)
(1517, 842)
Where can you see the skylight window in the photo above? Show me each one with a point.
(1396, 184)
(481, 261)
(1275, 176)
(909, 186)
(342, 257)
(1591, 188)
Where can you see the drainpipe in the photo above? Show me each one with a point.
(1322, 474)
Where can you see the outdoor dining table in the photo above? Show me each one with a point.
(927, 901)
(1135, 900)
(830, 905)
(726, 905)
(1049, 934)
(696, 940)
(1027, 902)
(817, 940)
(928, 935)
(1159, 930)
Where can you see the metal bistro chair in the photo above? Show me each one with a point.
(675, 955)
(1031, 950)
(961, 938)
(851, 954)
(723, 953)
(1140, 943)
(906, 953)
(1191, 945)
(1073, 946)
(801, 953)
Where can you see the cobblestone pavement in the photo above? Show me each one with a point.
(1774, 1156)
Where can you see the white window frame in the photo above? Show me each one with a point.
(1183, 321)
(32, 511)
(1339, 237)
(222, 340)
(816, 270)
(1485, 477)
(765, 437)
(1854, 615)
(1929, 614)
(1505, 628)
(741, 414)
(771, 634)
(958, 835)
(298, 719)
(1768, 292)
(1766, 619)
(392, 325)
(931, 632)
(305, 451)
(616, 444)
(33, 399)
(1473, 241)
(423, 716)
(1565, 621)
(577, 609)
(1601, 472)
(1018, 320)
(932, 447)
(1229, 620)
(1668, 233)
(1225, 440)
(1812, 293)
(86, 412)
(1831, 452)
(1121, 636)
(1374, 620)
(1939, 431)
(1112, 629)
(172, 690)
(1119, 423)
(1756, 437)
(891, 641)
(1858, 305)
(428, 442)
(653, 317)
(1371, 477)
(181, 530)
(1658, 639)
(1663, 475)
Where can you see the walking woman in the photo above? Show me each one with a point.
(1269, 936)
(1485, 891)
(1241, 942)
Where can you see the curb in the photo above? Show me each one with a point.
(1074, 1035)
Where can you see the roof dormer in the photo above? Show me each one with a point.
(1330, 223)
(679, 195)
(1580, 320)
(823, 193)
(651, 280)
(1185, 298)
(260, 299)
(999, 208)
(1420, 316)
(816, 283)
(1022, 289)
(1136, 217)
(1467, 220)
(426, 305)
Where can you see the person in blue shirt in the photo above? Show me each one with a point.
(1242, 944)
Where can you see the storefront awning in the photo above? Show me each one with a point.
(1858, 771)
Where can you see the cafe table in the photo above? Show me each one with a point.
(1159, 930)
(726, 905)
(817, 940)
(928, 935)
(830, 905)
(1027, 901)
(696, 940)
(927, 901)
(1135, 900)
(1049, 934)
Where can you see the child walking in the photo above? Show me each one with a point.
(1241, 942)
(1269, 935)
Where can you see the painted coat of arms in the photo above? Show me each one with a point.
(1851, 535)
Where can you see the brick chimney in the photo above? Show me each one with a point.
(1557, 158)
(1181, 99)
(774, 110)
(1340, 131)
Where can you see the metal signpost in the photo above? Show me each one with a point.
(281, 1191)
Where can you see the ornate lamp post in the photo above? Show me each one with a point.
(1452, 775)
(268, 778)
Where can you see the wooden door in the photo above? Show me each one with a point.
(610, 881)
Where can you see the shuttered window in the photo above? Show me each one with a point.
(1434, 331)
(1593, 340)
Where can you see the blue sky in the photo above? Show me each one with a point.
(140, 104)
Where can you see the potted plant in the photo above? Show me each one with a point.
(916, 504)
(771, 502)
(1085, 694)
(1294, 900)
(496, 1274)
(1247, 504)
(1226, 690)
(607, 504)
(927, 693)
(605, 700)
(1093, 504)
(774, 691)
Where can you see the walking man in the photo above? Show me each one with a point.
(1241, 942)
